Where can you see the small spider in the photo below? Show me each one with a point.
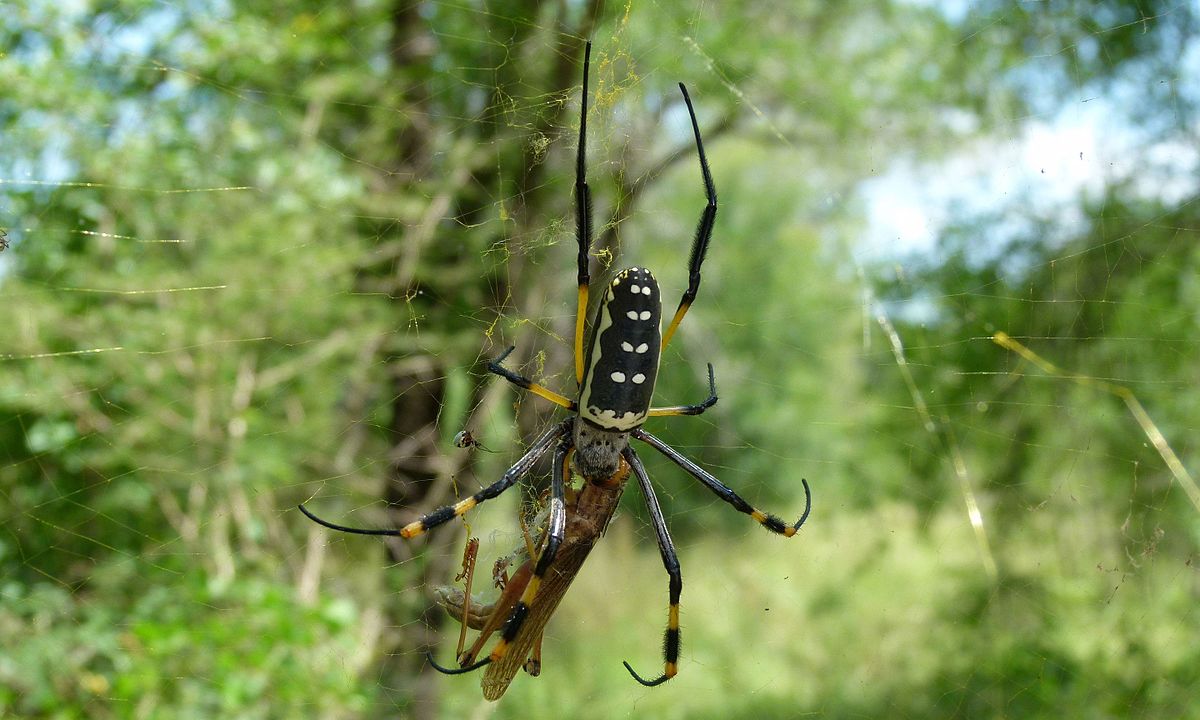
(464, 439)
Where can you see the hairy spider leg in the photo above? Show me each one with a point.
(446, 513)
(583, 219)
(703, 231)
(671, 638)
(770, 522)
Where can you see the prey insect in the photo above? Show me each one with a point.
(589, 510)
(615, 373)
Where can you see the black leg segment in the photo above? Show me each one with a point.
(691, 409)
(770, 522)
(704, 229)
(671, 638)
(448, 512)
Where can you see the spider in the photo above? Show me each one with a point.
(615, 373)
(466, 439)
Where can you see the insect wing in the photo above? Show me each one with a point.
(587, 519)
(499, 674)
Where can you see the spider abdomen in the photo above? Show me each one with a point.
(622, 359)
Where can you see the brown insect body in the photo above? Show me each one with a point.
(589, 512)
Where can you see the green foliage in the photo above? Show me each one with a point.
(175, 649)
(886, 614)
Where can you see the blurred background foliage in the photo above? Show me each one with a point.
(261, 252)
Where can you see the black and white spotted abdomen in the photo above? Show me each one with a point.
(622, 360)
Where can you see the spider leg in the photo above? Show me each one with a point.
(671, 639)
(703, 230)
(447, 513)
(770, 522)
(556, 530)
(525, 383)
(583, 219)
(690, 409)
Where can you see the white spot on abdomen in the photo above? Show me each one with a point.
(618, 376)
(639, 379)
(645, 315)
(632, 315)
(642, 348)
(627, 347)
(645, 290)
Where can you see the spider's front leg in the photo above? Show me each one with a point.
(583, 220)
(704, 229)
(447, 513)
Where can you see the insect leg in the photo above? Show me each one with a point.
(533, 665)
(470, 555)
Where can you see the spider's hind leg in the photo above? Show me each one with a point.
(671, 638)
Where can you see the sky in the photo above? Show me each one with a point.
(1046, 163)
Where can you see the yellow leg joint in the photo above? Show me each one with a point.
(550, 395)
(683, 308)
(580, 314)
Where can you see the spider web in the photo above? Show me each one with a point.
(260, 258)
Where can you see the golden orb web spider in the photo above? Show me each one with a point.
(616, 377)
